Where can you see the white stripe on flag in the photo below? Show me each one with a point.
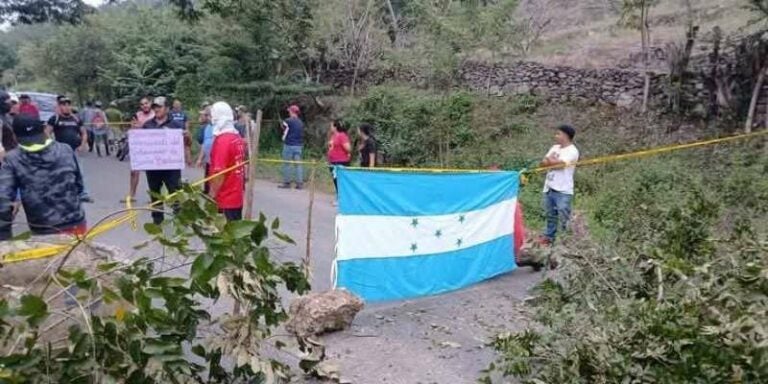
(372, 236)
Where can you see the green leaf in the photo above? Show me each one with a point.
(259, 233)
(199, 350)
(284, 238)
(103, 267)
(158, 347)
(200, 265)
(34, 308)
(239, 229)
(22, 236)
(275, 223)
(153, 229)
(167, 282)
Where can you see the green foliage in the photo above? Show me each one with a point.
(415, 127)
(40, 11)
(155, 318)
(677, 304)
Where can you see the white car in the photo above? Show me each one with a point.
(45, 102)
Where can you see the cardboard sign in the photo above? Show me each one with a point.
(156, 149)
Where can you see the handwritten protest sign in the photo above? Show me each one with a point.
(156, 149)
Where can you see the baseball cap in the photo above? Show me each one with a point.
(64, 100)
(23, 96)
(98, 104)
(14, 98)
(160, 101)
(28, 130)
(294, 109)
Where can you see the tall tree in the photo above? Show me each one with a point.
(635, 14)
(41, 11)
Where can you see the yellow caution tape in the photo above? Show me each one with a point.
(37, 253)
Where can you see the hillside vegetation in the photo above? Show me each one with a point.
(666, 278)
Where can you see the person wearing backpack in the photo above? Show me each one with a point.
(68, 129)
(100, 128)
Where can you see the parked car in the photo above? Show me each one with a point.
(45, 102)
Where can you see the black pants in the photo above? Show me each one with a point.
(232, 214)
(90, 141)
(206, 185)
(156, 179)
(333, 175)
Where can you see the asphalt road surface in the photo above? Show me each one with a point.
(439, 339)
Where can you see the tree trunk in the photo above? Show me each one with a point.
(753, 103)
(646, 57)
(254, 133)
(395, 24)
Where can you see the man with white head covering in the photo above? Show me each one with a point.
(228, 150)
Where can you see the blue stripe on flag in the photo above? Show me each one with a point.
(379, 279)
(364, 192)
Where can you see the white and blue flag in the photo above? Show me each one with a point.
(410, 234)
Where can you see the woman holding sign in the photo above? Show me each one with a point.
(228, 151)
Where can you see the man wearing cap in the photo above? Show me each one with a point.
(293, 142)
(68, 129)
(558, 186)
(170, 178)
(47, 174)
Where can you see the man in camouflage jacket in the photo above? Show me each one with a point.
(46, 175)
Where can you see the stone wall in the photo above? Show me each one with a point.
(612, 86)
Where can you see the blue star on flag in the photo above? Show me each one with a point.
(414, 247)
(415, 223)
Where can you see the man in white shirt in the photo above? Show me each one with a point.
(558, 186)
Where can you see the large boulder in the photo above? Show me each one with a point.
(318, 313)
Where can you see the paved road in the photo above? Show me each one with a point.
(438, 339)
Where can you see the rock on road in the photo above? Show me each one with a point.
(439, 339)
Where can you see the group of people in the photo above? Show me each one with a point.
(222, 147)
(340, 151)
(39, 168)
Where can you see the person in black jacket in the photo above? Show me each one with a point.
(46, 174)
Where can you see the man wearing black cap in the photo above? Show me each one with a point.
(170, 178)
(67, 128)
(558, 186)
(47, 175)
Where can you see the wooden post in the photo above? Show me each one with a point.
(312, 186)
(253, 134)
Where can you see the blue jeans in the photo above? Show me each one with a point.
(292, 153)
(557, 206)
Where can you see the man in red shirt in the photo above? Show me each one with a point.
(27, 108)
(228, 150)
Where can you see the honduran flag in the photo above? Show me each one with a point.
(408, 234)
